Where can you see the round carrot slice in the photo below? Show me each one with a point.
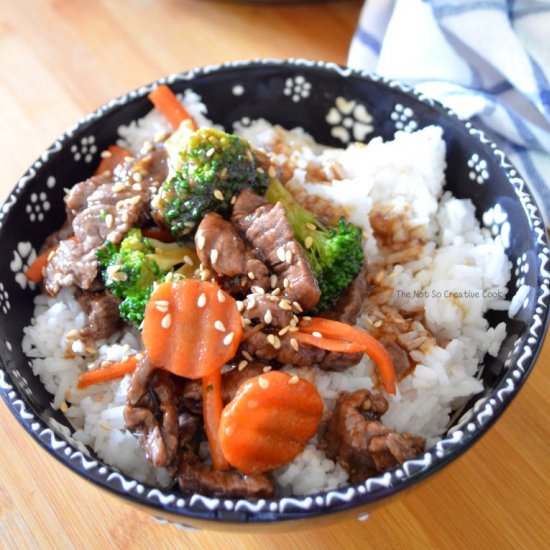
(269, 421)
(191, 328)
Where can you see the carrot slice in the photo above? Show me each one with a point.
(158, 233)
(105, 374)
(327, 343)
(115, 157)
(334, 330)
(167, 103)
(212, 405)
(269, 421)
(191, 328)
(35, 271)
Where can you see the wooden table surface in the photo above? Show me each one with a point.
(60, 59)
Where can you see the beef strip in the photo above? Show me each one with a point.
(152, 413)
(349, 304)
(222, 250)
(197, 477)
(357, 439)
(402, 364)
(268, 230)
(102, 311)
(103, 208)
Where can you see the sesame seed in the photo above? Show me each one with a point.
(308, 242)
(218, 325)
(134, 200)
(273, 281)
(268, 317)
(297, 307)
(233, 199)
(229, 338)
(218, 194)
(242, 365)
(377, 324)
(285, 304)
(271, 339)
(258, 290)
(201, 302)
(188, 260)
(166, 321)
(316, 334)
(200, 240)
(281, 254)
(288, 257)
(306, 318)
(263, 383)
(294, 344)
(210, 152)
(136, 176)
(311, 226)
(247, 355)
(251, 303)
(221, 296)
(139, 356)
(251, 275)
(276, 292)
(277, 342)
(106, 154)
(293, 379)
(169, 277)
(286, 282)
(109, 220)
(161, 308)
(214, 255)
(266, 369)
(240, 306)
(284, 330)
(51, 255)
(205, 275)
(293, 329)
(64, 407)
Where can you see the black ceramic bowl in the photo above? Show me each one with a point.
(290, 93)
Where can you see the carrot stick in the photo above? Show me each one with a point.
(269, 421)
(334, 330)
(115, 156)
(212, 406)
(105, 374)
(327, 343)
(191, 328)
(35, 272)
(167, 103)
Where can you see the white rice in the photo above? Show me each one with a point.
(460, 274)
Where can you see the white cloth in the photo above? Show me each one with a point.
(482, 58)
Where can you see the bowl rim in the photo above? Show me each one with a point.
(224, 510)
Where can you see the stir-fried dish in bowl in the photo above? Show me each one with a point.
(248, 315)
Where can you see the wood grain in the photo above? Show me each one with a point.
(61, 59)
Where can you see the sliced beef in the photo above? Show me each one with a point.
(258, 345)
(402, 364)
(197, 477)
(103, 317)
(267, 309)
(357, 439)
(192, 390)
(103, 208)
(350, 302)
(271, 235)
(244, 208)
(152, 413)
(222, 250)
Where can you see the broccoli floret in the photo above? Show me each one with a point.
(131, 269)
(215, 167)
(334, 253)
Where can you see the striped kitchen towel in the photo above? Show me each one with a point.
(482, 58)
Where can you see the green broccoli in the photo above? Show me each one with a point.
(131, 269)
(334, 253)
(215, 167)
